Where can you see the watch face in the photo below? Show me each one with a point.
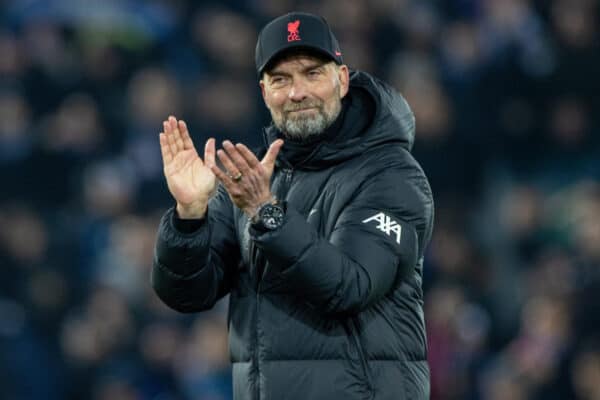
(271, 216)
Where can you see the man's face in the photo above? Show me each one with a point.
(303, 94)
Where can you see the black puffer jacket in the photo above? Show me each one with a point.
(329, 306)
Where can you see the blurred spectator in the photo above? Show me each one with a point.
(586, 373)
(203, 364)
(227, 38)
(15, 140)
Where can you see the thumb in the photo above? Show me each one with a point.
(209, 153)
(268, 160)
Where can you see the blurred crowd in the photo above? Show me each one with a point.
(504, 93)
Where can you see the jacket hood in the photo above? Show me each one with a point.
(374, 114)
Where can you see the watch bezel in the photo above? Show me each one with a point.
(271, 216)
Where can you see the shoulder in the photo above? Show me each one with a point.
(390, 176)
(389, 160)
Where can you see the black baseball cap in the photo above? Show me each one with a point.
(296, 30)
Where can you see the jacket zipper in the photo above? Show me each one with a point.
(257, 350)
(361, 354)
(284, 187)
(255, 258)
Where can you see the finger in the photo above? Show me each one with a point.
(188, 144)
(236, 157)
(172, 122)
(176, 133)
(209, 153)
(166, 127)
(165, 151)
(227, 163)
(269, 159)
(178, 140)
(170, 138)
(223, 177)
(248, 155)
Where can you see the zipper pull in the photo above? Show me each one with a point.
(284, 184)
(288, 174)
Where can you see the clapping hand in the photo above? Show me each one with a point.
(247, 180)
(189, 178)
(192, 181)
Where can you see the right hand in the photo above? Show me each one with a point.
(190, 180)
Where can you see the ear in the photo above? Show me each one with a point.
(344, 77)
(261, 83)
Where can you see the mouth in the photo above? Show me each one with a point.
(302, 109)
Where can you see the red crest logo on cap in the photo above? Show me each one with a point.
(293, 32)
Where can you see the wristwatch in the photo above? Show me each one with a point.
(269, 216)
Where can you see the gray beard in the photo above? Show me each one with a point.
(304, 128)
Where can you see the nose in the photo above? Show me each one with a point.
(298, 91)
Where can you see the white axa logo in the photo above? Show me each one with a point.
(386, 224)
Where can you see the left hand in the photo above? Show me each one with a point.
(247, 180)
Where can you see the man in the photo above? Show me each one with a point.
(319, 244)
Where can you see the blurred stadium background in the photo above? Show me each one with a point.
(506, 96)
